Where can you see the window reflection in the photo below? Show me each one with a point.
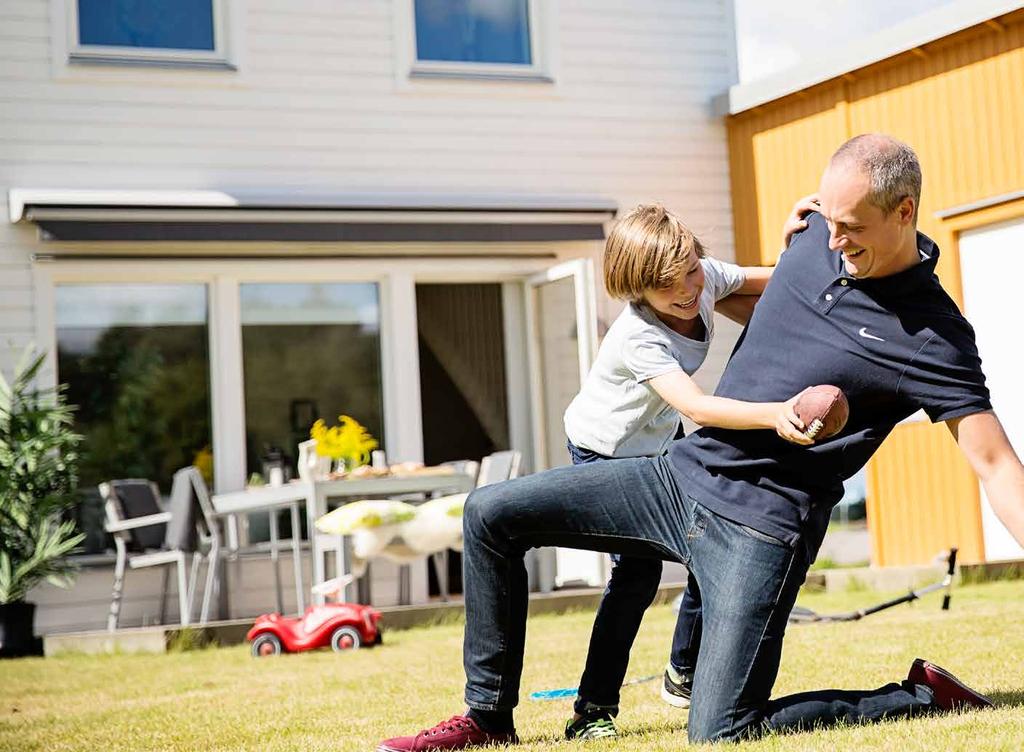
(135, 359)
(155, 24)
(478, 31)
(309, 351)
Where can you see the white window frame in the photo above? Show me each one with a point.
(218, 57)
(396, 280)
(541, 15)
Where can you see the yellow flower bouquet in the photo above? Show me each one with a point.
(349, 442)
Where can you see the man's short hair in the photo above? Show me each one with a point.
(890, 165)
(648, 249)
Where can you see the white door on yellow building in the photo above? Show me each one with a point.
(990, 259)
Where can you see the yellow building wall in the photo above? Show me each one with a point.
(959, 101)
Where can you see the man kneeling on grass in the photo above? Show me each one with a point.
(853, 302)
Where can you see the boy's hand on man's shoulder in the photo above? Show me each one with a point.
(795, 222)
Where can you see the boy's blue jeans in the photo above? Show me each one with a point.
(748, 583)
(631, 589)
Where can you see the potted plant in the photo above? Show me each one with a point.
(38, 476)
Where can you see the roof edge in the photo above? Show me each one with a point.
(21, 199)
(913, 32)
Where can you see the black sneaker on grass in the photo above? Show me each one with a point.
(595, 724)
(676, 688)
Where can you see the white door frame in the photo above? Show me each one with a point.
(558, 566)
(396, 279)
(984, 296)
(582, 273)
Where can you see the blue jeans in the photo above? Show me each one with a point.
(631, 588)
(748, 582)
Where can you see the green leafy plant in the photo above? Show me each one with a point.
(38, 476)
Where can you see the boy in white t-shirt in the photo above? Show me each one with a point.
(630, 405)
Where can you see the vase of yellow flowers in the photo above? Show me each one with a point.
(348, 444)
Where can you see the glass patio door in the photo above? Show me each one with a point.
(135, 357)
(309, 351)
(561, 315)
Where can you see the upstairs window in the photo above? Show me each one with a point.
(188, 32)
(482, 37)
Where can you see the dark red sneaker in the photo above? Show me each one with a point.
(458, 732)
(950, 693)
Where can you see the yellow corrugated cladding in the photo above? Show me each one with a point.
(959, 101)
(922, 498)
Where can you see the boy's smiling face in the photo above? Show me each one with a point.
(682, 299)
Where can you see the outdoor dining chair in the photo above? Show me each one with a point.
(499, 466)
(493, 468)
(190, 535)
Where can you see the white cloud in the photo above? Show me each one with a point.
(776, 34)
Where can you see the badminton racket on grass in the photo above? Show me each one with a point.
(805, 615)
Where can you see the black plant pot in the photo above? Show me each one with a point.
(16, 637)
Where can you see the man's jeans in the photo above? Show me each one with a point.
(748, 583)
(631, 589)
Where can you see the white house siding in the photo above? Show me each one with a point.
(321, 102)
(317, 103)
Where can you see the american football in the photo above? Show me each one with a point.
(823, 410)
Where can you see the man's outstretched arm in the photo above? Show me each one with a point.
(983, 441)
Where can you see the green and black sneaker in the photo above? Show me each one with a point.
(595, 724)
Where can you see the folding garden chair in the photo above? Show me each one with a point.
(189, 533)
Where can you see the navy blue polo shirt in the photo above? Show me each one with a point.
(894, 345)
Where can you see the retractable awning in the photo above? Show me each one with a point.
(233, 216)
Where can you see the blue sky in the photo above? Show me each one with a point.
(775, 34)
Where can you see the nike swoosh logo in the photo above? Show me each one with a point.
(864, 333)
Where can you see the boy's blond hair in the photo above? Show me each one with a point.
(648, 249)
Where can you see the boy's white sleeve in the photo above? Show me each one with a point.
(721, 277)
(648, 356)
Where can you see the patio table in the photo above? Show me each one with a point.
(316, 496)
(269, 499)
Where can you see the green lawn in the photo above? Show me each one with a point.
(221, 699)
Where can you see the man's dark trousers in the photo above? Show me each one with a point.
(748, 581)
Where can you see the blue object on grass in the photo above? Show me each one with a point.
(558, 694)
(554, 694)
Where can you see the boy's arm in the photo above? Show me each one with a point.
(737, 307)
(984, 443)
(755, 280)
(682, 393)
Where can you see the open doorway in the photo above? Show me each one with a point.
(462, 381)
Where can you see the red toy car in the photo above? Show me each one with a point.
(343, 626)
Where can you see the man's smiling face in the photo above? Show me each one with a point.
(873, 243)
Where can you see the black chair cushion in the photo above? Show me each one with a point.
(136, 498)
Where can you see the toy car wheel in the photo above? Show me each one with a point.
(346, 638)
(266, 644)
